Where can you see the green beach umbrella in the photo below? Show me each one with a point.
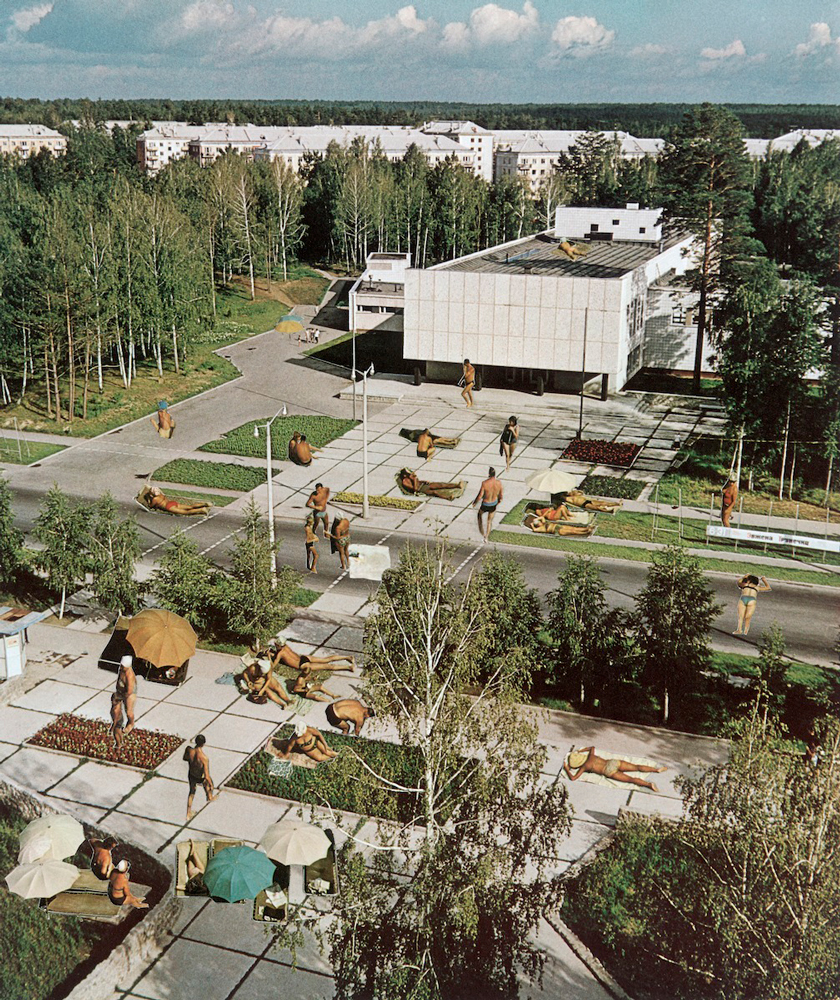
(238, 873)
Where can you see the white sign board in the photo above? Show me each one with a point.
(368, 562)
(774, 538)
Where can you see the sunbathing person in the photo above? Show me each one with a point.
(586, 761)
(286, 656)
(119, 888)
(293, 444)
(101, 860)
(306, 740)
(558, 513)
(425, 444)
(304, 686)
(158, 500)
(577, 499)
(303, 452)
(543, 527)
(262, 684)
(340, 540)
(164, 424)
(341, 713)
(438, 441)
(411, 483)
(195, 874)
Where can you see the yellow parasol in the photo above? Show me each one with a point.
(161, 637)
(290, 324)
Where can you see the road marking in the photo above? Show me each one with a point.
(472, 555)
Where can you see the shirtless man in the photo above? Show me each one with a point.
(489, 495)
(340, 535)
(164, 424)
(469, 381)
(293, 444)
(261, 683)
(578, 499)
(311, 542)
(425, 444)
(306, 739)
(285, 655)
(119, 888)
(124, 697)
(305, 688)
(318, 502)
(304, 452)
(341, 713)
(198, 773)
(101, 861)
(586, 760)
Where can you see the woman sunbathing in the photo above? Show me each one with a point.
(578, 499)
(544, 527)
(306, 740)
(261, 684)
(586, 761)
(305, 686)
(154, 498)
(558, 513)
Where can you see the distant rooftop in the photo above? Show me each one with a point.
(542, 255)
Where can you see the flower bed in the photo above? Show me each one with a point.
(143, 748)
(599, 452)
(341, 782)
(393, 503)
(221, 475)
(609, 486)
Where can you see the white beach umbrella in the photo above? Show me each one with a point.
(64, 833)
(41, 879)
(295, 843)
(552, 481)
(34, 849)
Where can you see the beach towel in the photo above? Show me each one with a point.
(449, 492)
(228, 677)
(602, 779)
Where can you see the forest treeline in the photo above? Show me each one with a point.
(760, 121)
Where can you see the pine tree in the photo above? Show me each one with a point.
(12, 553)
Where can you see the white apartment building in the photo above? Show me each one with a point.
(379, 294)
(526, 313)
(478, 140)
(27, 140)
(161, 144)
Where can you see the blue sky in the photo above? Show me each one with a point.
(763, 51)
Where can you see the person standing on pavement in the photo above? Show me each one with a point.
(729, 497)
(468, 378)
(124, 697)
(508, 440)
(340, 540)
(198, 773)
(489, 496)
(318, 502)
(164, 424)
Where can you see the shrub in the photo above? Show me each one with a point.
(610, 486)
(218, 475)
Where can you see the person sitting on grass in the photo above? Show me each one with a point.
(586, 761)
(159, 501)
(119, 888)
(262, 684)
(305, 739)
(304, 686)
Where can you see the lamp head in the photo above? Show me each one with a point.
(256, 431)
(284, 412)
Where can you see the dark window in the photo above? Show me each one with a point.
(616, 222)
(593, 228)
(642, 229)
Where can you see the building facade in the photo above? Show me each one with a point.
(27, 140)
(379, 295)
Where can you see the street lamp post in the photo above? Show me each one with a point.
(365, 375)
(270, 482)
(579, 434)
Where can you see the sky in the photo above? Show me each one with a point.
(757, 51)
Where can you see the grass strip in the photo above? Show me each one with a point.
(217, 499)
(27, 452)
(375, 500)
(222, 475)
(319, 431)
(633, 554)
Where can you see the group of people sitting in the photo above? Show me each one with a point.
(300, 450)
(116, 875)
(309, 740)
(261, 684)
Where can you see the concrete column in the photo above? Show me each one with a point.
(605, 387)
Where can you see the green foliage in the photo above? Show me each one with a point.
(772, 665)
(114, 548)
(319, 431)
(186, 583)
(12, 554)
(675, 609)
(63, 531)
(218, 475)
(610, 486)
(30, 451)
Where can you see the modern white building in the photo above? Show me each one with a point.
(478, 140)
(550, 310)
(379, 294)
(161, 144)
(27, 140)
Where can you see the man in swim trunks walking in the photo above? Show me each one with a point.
(124, 697)
(198, 773)
(468, 378)
(318, 502)
(489, 495)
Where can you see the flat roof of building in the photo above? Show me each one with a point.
(542, 255)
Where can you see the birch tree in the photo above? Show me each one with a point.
(62, 530)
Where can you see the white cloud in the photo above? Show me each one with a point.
(735, 50)
(819, 39)
(648, 51)
(491, 25)
(581, 36)
(26, 18)
(206, 15)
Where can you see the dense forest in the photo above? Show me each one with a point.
(760, 121)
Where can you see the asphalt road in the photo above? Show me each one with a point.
(809, 615)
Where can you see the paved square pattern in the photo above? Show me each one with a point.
(98, 784)
(192, 971)
(54, 696)
(18, 724)
(240, 734)
(38, 769)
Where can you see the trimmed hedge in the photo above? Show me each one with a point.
(319, 431)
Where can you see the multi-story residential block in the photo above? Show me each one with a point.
(164, 143)
(27, 140)
(478, 140)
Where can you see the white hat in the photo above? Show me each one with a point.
(265, 666)
(122, 866)
(300, 727)
(126, 661)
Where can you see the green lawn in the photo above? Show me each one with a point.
(217, 499)
(582, 547)
(221, 475)
(25, 452)
(319, 431)
(333, 343)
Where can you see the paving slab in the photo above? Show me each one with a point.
(240, 814)
(18, 724)
(348, 638)
(98, 706)
(160, 799)
(98, 784)
(271, 979)
(7, 749)
(54, 697)
(197, 692)
(38, 769)
(583, 835)
(269, 712)
(309, 957)
(146, 833)
(180, 720)
(191, 971)
(227, 926)
(305, 630)
(223, 763)
(85, 673)
(242, 734)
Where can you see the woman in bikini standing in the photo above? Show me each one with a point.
(751, 586)
(508, 440)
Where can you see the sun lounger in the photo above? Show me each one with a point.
(272, 904)
(205, 850)
(323, 871)
(88, 898)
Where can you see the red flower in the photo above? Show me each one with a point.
(143, 748)
(601, 452)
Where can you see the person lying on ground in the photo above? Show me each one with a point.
(195, 874)
(101, 860)
(558, 513)
(578, 499)
(304, 687)
(164, 424)
(262, 684)
(411, 483)
(340, 537)
(284, 655)
(305, 739)
(586, 761)
(119, 888)
(159, 501)
(341, 713)
(543, 527)
(425, 444)
(438, 440)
